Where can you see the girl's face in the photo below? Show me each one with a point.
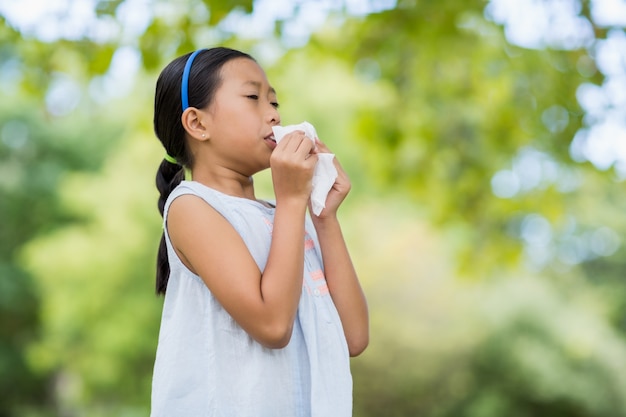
(241, 116)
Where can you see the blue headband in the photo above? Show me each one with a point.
(184, 88)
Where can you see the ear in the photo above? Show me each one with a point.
(195, 123)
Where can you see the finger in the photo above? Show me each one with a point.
(291, 140)
(320, 147)
(306, 146)
(311, 159)
(300, 144)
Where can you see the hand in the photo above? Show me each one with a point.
(292, 163)
(340, 188)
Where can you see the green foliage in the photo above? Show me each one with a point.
(219, 11)
(185, 26)
(35, 154)
(554, 348)
(460, 103)
(107, 7)
(520, 346)
(101, 314)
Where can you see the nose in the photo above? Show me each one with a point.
(274, 116)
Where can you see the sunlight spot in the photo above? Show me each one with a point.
(537, 24)
(119, 80)
(611, 53)
(135, 17)
(363, 7)
(555, 118)
(604, 241)
(538, 256)
(603, 144)
(609, 12)
(63, 95)
(593, 99)
(505, 184)
(536, 230)
(573, 250)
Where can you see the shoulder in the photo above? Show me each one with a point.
(186, 188)
(200, 232)
(192, 209)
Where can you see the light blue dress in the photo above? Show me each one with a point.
(208, 366)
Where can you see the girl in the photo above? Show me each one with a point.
(262, 304)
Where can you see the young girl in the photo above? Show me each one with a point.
(262, 304)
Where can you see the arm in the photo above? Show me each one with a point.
(264, 305)
(341, 276)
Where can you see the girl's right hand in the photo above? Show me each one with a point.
(292, 163)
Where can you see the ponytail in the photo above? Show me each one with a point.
(168, 176)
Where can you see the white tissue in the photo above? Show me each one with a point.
(325, 173)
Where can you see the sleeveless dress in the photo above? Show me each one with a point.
(208, 366)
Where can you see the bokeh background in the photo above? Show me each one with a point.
(486, 141)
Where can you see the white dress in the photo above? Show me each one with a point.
(207, 365)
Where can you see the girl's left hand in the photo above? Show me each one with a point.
(340, 188)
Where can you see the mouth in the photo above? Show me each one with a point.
(270, 140)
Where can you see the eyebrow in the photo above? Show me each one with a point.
(258, 85)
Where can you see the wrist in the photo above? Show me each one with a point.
(291, 204)
(324, 222)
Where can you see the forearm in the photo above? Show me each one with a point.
(343, 284)
(281, 283)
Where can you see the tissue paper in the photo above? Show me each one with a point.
(325, 173)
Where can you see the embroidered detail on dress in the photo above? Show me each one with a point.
(317, 275)
(321, 290)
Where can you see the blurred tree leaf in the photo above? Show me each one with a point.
(107, 7)
(520, 346)
(35, 155)
(462, 105)
(219, 10)
(101, 314)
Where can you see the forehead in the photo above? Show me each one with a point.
(242, 71)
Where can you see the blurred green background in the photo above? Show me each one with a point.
(486, 141)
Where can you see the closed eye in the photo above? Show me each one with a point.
(256, 97)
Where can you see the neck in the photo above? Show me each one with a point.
(227, 182)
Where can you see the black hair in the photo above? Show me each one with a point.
(204, 80)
